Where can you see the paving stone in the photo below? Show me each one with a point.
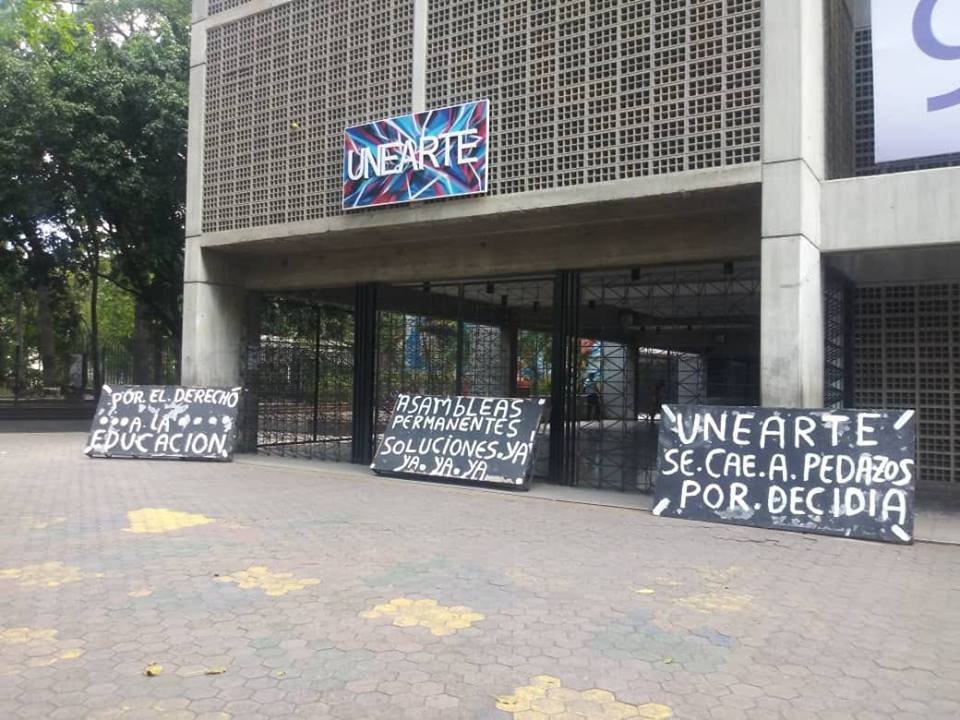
(435, 601)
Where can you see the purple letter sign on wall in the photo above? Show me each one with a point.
(434, 154)
(916, 76)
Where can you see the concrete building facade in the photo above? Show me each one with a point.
(687, 184)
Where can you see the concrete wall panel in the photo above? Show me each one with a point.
(892, 211)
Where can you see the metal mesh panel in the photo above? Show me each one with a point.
(303, 375)
(863, 119)
(907, 355)
(464, 338)
(281, 87)
(585, 92)
(460, 338)
(835, 341)
(684, 334)
(486, 361)
(417, 354)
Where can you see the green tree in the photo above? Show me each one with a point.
(35, 256)
(93, 117)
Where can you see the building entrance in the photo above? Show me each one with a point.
(603, 348)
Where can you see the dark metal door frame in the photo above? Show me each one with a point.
(364, 372)
(563, 400)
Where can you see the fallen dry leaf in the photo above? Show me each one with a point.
(216, 670)
(153, 670)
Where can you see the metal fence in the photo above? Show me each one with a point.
(302, 382)
(605, 348)
(118, 366)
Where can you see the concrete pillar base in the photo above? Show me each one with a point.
(213, 334)
(791, 318)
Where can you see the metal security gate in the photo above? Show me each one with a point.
(906, 354)
(603, 350)
(478, 337)
(647, 336)
(303, 368)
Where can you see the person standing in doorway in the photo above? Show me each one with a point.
(656, 400)
(594, 399)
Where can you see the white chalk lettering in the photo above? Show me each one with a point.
(863, 429)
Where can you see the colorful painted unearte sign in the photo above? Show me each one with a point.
(434, 154)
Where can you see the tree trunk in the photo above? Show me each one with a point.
(156, 352)
(142, 343)
(19, 358)
(46, 339)
(177, 359)
(5, 343)
(94, 324)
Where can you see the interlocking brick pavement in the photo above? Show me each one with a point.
(271, 592)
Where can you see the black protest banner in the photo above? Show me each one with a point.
(461, 438)
(837, 472)
(160, 421)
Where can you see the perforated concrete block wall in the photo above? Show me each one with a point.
(219, 6)
(906, 352)
(581, 91)
(586, 91)
(281, 86)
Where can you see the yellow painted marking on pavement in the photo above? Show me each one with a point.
(273, 584)
(161, 520)
(439, 619)
(545, 697)
(716, 601)
(24, 635)
(717, 597)
(654, 711)
(50, 574)
(50, 649)
(644, 591)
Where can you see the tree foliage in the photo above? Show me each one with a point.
(93, 124)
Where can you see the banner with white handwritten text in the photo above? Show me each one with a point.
(837, 472)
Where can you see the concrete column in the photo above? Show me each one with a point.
(791, 318)
(214, 303)
(794, 159)
(197, 96)
(214, 320)
(616, 381)
(418, 98)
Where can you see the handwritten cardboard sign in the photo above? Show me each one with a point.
(838, 472)
(159, 421)
(478, 439)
